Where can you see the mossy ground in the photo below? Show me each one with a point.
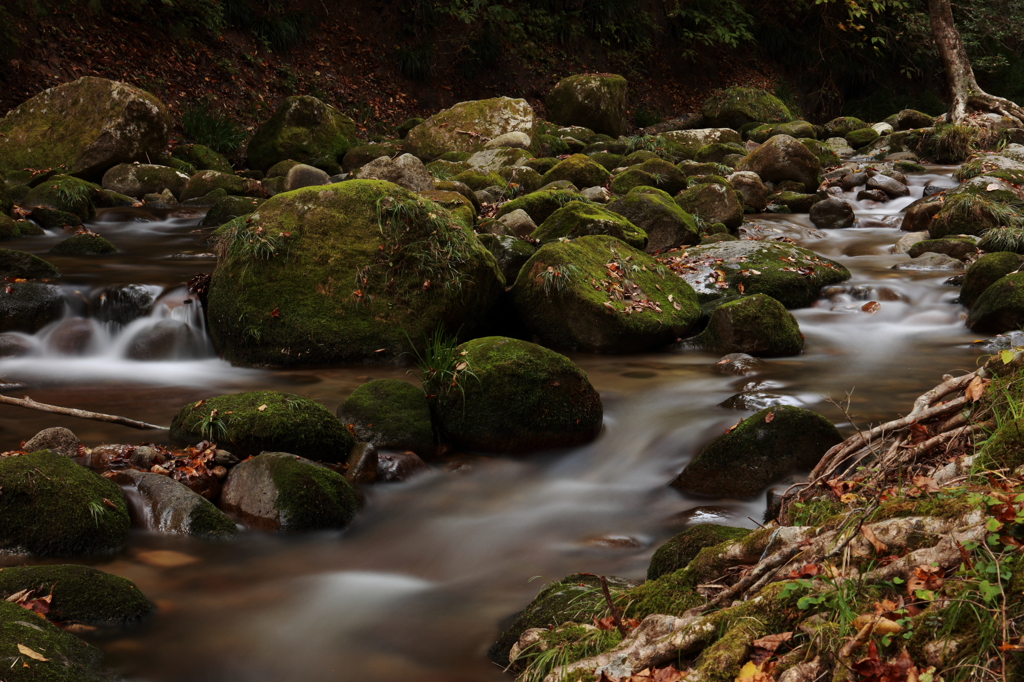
(80, 594)
(287, 423)
(69, 658)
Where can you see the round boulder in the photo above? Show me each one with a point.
(137, 180)
(738, 106)
(757, 325)
(170, 507)
(483, 120)
(593, 101)
(783, 158)
(580, 170)
(684, 547)
(513, 396)
(712, 202)
(67, 658)
(406, 171)
(1000, 307)
(653, 211)
(985, 271)
(29, 306)
(390, 413)
(306, 130)
(580, 219)
(60, 440)
(832, 213)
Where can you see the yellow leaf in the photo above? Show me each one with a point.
(880, 625)
(262, 407)
(35, 655)
(748, 671)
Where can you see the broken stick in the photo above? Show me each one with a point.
(30, 404)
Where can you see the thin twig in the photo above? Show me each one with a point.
(30, 404)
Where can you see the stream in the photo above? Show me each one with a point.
(416, 587)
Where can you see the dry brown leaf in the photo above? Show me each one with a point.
(34, 655)
(880, 624)
(769, 417)
(262, 407)
(926, 484)
(879, 546)
(976, 389)
(772, 642)
(871, 307)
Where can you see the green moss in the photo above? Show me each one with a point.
(69, 658)
(445, 131)
(691, 168)
(960, 248)
(841, 126)
(713, 203)
(204, 183)
(202, 158)
(350, 269)
(304, 129)
(716, 152)
(794, 202)
(64, 193)
(84, 244)
(569, 294)
(826, 157)
(757, 325)
(653, 211)
(578, 169)
(861, 138)
(516, 396)
(390, 413)
(80, 594)
(950, 505)
(455, 157)
(984, 272)
(288, 423)
(51, 506)
(813, 512)
(523, 178)
(608, 160)
(539, 205)
(910, 167)
(595, 101)
(477, 180)
(736, 106)
(15, 229)
(510, 252)
(678, 552)
(210, 523)
(1000, 307)
(229, 208)
(310, 497)
(579, 219)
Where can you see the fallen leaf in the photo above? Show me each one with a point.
(769, 417)
(261, 408)
(879, 546)
(871, 307)
(926, 484)
(880, 624)
(773, 642)
(976, 389)
(108, 503)
(35, 655)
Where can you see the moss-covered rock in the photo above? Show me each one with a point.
(286, 291)
(15, 229)
(514, 396)
(793, 202)
(493, 159)
(69, 659)
(1000, 307)
(608, 160)
(201, 157)
(653, 211)
(390, 413)
(737, 106)
(139, 179)
(80, 594)
(832, 213)
(84, 127)
(228, 208)
(757, 325)
(21, 265)
(539, 205)
(52, 507)
(971, 213)
(713, 203)
(281, 491)
(306, 130)
(510, 252)
(789, 274)
(784, 158)
(29, 306)
(959, 248)
(827, 157)
(578, 169)
(486, 119)
(174, 508)
(598, 294)
(766, 131)
(758, 451)
(861, 138)
(678, 552)
(204, 182)
(477, 180)
(580, 219)
(64, 193)
(985, 271)
(666, 176)
(264, 420)
(84, 244)
(841, 126)
(595, 101)
(719, 152)
(363, 154)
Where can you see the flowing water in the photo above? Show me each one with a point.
(416, 587)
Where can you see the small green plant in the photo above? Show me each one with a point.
(644, 117)
(1003, 239)
(556, 278)
(641, 142)
(74, 197)
(206, 125)
(96, 510)
(250, 243)
(954, 143)
(561, 647)
(211, 426)
(415, 63)
(442, 368)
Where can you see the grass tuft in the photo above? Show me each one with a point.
(212, 128)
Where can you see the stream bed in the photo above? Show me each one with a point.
(416, 587)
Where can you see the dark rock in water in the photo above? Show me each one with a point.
(985, 272)
(363, 462)
(753, 400)
(54, 219)
(137, 180)
(853, 180)
(1000, 307)
(756, 325)
(14, 345)
(52, 507)
(390, 413)
(166, 340)
(684, 547)
(832, 213)
(265, 420)
(281, 491)
(60, 440)
(170, 507)
(399, 466)
(521, 397)
(145, 457)
(894, 188)
(739, 364)
(758, 451)
(121, 303)
(80, 594)
(876, 195)
(959, 248)
(930, 261)
(29, 306)
(71, 337)
(21, 265)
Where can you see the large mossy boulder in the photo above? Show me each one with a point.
(68, 659)
(80, 594)
(784, 158)
(684, 144)
(580, 170)
(598, 294)
(337, 273)
(653, 211)
(678, 552)
(595, 101)
(391, 414)
(580, 219)
(971, 213)
(228, 208)
(22, 265)
(249, 423)
(201, 157)
(757, 325)
(306, 130)
(737, 106)
(64, 193)
(468, 126)
(204, 182)
(713, 203)
(279, 491)
(790, 274)
(1000, 307)
(174, 508)
(539, 205)
(758, 451)
(841, 126)
(513, 396)
(139, 179)
(50, 506)
(985, 271)
(84, 127)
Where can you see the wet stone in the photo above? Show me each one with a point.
(59, 439)
(399, 466)
(739, 364)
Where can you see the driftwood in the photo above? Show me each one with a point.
(30, 404)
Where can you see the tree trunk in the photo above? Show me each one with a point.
(966, 95)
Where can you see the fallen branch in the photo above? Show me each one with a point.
(30, 404)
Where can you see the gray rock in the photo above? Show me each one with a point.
(137, 180)
(852, 181)
(930, 261)
(166, 340)
(873, 195)
(598, 195)
(783, 158)
(29, 306)
(301, 175)
(840, 146)
(739, 364)
(519, 223)
(515, 140)
(908, 240)
(14, 345)
(399, 466)
(406, 171)
(169, 507)
(894, 188)
(755, 194)
(60, 440)
(71, 337)
(145, 457)
(832, 213)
